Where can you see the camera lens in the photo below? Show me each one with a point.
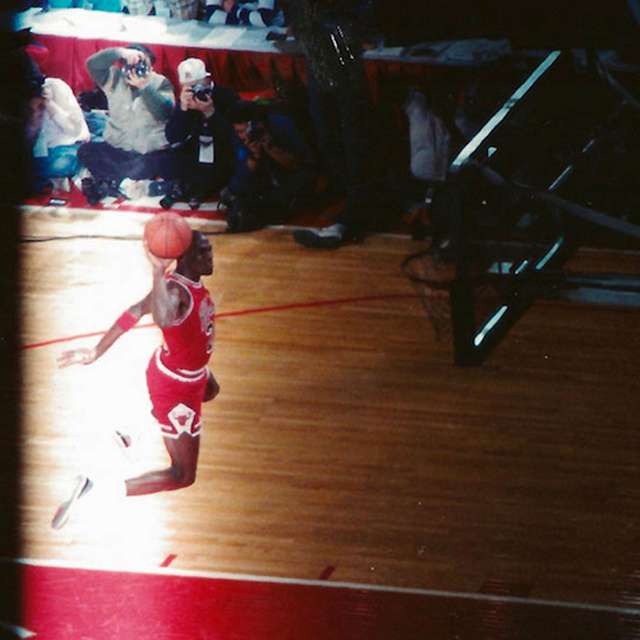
(202, 92)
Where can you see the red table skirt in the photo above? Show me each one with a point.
(244, 71)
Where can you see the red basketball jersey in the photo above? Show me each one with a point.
(188, 343)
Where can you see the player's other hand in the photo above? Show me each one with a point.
(212, 389)
(76, 356)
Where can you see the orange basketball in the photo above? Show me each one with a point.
(167, 234)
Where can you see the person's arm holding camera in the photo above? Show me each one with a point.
(261, 144)
(100, 63)
(288, 159)
(282, 143)
(186, 117)
(201, 101)
(158, 99)
(254, 155)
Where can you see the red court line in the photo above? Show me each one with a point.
(239, 312)
(326, 574)
(168, 560)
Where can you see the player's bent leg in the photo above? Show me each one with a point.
(184, 458)
(183, 452)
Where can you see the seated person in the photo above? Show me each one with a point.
(140, 103)
(61, 131)
(263, 13)
(273, 168)
(419, 188)
(201, 135)
(183, 9)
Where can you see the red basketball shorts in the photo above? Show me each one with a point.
(176, 399)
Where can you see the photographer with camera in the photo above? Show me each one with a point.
(274, 170)
(62, 130)
(135, 145)
(200, 135)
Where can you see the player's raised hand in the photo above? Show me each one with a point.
(160, 264)
(83, 355)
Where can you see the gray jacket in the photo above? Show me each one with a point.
(137, 117)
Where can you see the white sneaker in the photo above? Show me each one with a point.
(77, 179)
(134, 189)
(82, 486)
(61, 184)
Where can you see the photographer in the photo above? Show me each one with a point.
(200, 134)
(62, 129)
(273, 172)
(140, 103)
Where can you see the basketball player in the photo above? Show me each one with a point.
(178, 379)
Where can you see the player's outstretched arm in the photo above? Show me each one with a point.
(87, 355)
(165, 299)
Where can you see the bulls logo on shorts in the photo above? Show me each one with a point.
(182, 420)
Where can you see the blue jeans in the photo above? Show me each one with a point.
(62, 162)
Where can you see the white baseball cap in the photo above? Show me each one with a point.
(192, 70)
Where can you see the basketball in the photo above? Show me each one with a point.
(167, 235)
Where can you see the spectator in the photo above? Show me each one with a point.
(62, 128)
(432, 136)
(273, 168)
(263, 13)
(205, 152)
(342, 113)
(429, 139)
(135, 145)
(21, 106)
(183, 9)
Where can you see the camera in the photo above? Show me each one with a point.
(140, 68)
(202, 92)
(255, 131)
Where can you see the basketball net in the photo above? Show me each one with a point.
(432, 280)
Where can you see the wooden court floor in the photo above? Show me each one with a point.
(345, 445)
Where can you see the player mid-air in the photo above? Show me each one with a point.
(178, 378)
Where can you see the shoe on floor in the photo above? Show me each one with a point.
(160, 187)
(81, 487)
(134, 189)
(91, 191)
(61, 184)
(325, 238)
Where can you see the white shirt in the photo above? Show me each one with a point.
(63, 121)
